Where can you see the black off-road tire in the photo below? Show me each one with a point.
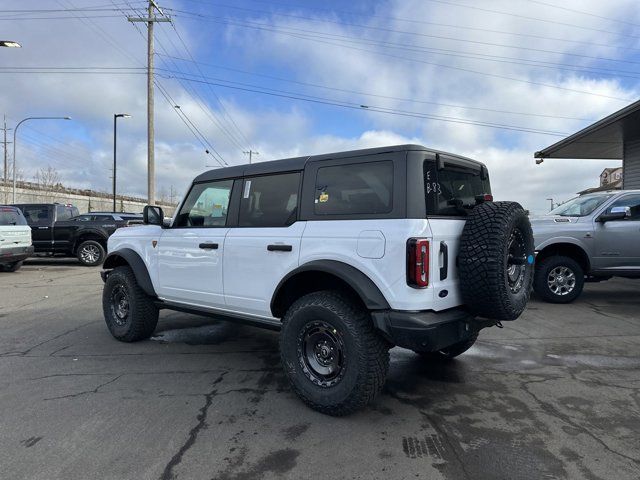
(451, 351)
(12, 267)
(545, 270)
(487, 255)
(365, 353)
(97, 253)
(142, 314)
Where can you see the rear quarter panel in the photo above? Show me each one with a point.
(348, 240)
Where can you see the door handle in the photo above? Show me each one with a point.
(279, 248)
(209, 246)
(444, 269)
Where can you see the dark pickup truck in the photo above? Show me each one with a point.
(59, 230)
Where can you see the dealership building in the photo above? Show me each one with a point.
(616, 137)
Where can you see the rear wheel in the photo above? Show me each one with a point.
(12, 267)
(334, 359)
(558, 279)
(130, 314)
(451, 351)
(91, 253)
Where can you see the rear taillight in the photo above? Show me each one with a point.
(418, 262)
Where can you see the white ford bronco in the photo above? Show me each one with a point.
(346, 254)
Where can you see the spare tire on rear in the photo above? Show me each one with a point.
(495, 263)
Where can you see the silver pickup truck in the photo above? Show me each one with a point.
(588, 239)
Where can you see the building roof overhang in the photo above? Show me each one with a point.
(602, 140)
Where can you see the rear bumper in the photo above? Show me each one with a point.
(427, 331)
(15, 254)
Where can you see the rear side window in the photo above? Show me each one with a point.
(453, 190)
(270, 201)
(64, 213)
(10, 216)
(358, 188)
(36, 214)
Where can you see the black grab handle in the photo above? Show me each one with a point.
(444, 270)
(209, 246)
(279, 248)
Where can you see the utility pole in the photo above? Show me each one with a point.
(151, 165)
(5, 143)
(6, 162)
(251, 153)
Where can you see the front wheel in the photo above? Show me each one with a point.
(91, 253)
(558, 279)
(130, 314)
(334, 359)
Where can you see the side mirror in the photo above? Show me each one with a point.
(152, 215)
(617, 213)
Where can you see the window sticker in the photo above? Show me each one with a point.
(324, 197)
(247, 189)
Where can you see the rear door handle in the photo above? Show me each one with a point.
(279, 248)
(209, 246)
(444, 269)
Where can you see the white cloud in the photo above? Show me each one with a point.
(84, 156)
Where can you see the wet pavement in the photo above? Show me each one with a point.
(555, 394)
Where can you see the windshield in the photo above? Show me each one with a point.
(580, 206)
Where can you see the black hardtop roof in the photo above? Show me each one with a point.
(298, 163)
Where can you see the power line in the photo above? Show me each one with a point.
(494, 75)
(447, 52)
(387, 30)
(411, 100)
(371, 108)
(179, 112)
(582, 12)
(388, 18)
(224, 110)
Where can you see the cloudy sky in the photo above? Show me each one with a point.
(495, 80)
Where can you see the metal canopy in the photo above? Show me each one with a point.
(602, 140)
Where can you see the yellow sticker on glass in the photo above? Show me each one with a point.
(324, 197)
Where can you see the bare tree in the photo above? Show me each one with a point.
(48, 181)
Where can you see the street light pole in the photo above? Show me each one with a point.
(15, 132)
(116, 116)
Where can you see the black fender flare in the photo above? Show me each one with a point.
(368, 291)
(127, 256)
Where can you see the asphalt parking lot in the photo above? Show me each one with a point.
(555, 394)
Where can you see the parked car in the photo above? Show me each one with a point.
(588, 239)
(61, 230)
(15, 238)
(347, 254)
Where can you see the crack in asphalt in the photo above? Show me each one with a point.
(25, 352)
(555, 412)
(168, 474)
(87, 392)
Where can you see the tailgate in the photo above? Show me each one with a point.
(15, 236)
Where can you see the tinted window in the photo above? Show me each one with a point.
(269, 201)
(206, 205)
(453, 190)
(83, 218)
(36, 214)
(10, 216)
(631, 201)
(64, 213)
(358, 188)
(103, 218)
